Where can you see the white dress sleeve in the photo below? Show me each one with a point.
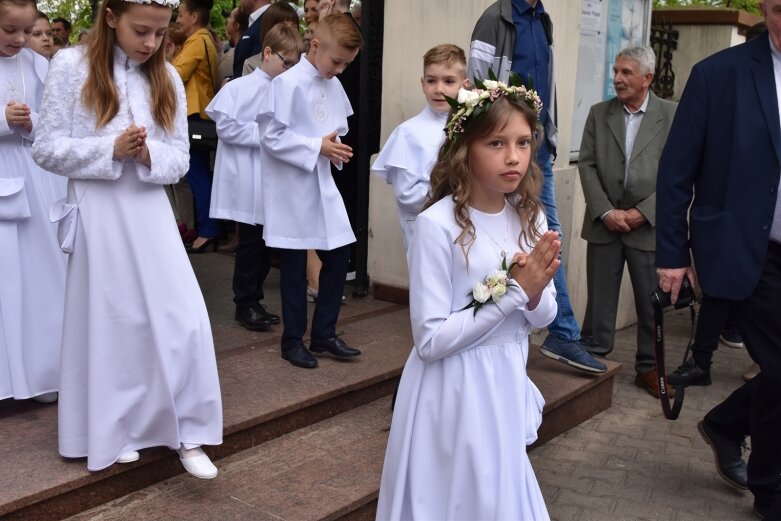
(169, 151)
(291, 147)
(222, 110)
(55, 150)
(438, 331)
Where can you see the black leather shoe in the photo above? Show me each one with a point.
(727, 453)
(335, 346)
(255, 318)
(297, 355)
(274, 319)
(689, 374)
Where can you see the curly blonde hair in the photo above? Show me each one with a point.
(452, 176)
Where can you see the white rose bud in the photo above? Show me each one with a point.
(462, 95)
(481, 292)
(491, 84)
(497, 291)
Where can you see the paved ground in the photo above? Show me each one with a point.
(630, 463)
(626, 464)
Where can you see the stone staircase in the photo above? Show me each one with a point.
(298, 444)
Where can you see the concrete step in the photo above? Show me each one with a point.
(326, 471)
(264, 398)
(329, 470)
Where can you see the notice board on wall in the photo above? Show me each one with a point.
(606, 27)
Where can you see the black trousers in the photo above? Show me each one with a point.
(292, 274)
(714, 317)
(755, 408)
(251, 266)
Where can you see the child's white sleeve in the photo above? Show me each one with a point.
(546, 309)
(89, 157)
(232, 128)
(437, 330)
(169, 155)
(410, 190)
(291, 147)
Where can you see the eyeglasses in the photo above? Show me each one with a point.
(285, 62)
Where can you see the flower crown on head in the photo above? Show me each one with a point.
(173, 4)
(471, 104)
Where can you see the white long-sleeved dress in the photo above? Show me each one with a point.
(405, 162)
(236, 190)
(32, 267)
(465, 409)
(138, 365)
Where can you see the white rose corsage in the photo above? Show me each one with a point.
(491, 288)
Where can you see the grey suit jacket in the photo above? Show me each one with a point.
(601, 167)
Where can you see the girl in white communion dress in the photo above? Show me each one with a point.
(481, 264)
(138, 366)
(32, 267)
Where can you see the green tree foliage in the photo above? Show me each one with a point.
(751, 6)
(79, 12)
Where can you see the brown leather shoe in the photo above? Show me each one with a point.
(650, 382)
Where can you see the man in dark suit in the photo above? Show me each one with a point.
(724, 152)
(619, 157)
(249, 43)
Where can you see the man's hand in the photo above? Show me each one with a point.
(670, 280)
(635, 218)
(334, 150)
(616, 221)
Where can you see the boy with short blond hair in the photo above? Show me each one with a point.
(411, 150)
(304, 113)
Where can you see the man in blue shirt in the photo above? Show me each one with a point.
(517, 36)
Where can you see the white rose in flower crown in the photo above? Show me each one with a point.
(491, 84)
(497, 291)
(481, 292)
(469, 98)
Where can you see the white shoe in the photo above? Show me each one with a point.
(128, 457)
(197, 463)
(46, 397)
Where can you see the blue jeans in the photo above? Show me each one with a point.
(564, 325)
(200, 178)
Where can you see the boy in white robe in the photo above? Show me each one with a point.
(303, 114)
(406, 160)
(236, 191)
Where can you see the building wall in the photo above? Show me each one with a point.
(434, 22)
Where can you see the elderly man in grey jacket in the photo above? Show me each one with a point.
(619, 156)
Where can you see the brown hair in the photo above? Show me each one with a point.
(452, 176)
(202, 8)
(342, 28)
(40, 15)
(277, 13)
(445, 54)
(19, 3)
(283, 38)
(100, 93)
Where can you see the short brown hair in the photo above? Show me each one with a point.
(342, 29)
(445, 54)
(283, 38)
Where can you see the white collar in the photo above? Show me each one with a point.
(642, 108)
(257, 13)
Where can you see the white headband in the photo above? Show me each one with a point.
(173, 4)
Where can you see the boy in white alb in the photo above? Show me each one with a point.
(236, 191)
(406, 160)
(303, 114)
